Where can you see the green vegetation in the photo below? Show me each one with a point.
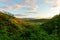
(12, 28)
(52, 27)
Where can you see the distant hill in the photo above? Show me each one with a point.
(33, 20)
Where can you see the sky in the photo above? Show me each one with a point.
(31, 8)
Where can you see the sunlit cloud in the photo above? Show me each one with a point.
(32, 8)
(54, 6)
(57, 6)
(38, 17)
(32, 12)
(21, 14)
(33, 2)
(14, 7)
(50, 1)
(27, 1)
(37, 13)
(9, 8)
(54, 3)
(43, 17)
(19, 6)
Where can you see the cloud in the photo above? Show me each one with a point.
(30, 2)
(32, 8)
(27, 1)
(38, 17)
(2, 7)
(29, 5)
(7, 2)
(53, 4)
(37, 13)
(9, 8)
(19, 6)
(26, 14)
(14, 7)
(23, 5)
(33, 2)
(29, 12)
(57, 5)
(50, 1)
(32, 12)
(21, 14)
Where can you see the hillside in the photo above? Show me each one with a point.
(12, 28)
(52, 26)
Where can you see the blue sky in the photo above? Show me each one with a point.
(31, 8)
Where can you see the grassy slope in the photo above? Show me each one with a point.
(9, 26)
(52, 26)
(12, 28)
